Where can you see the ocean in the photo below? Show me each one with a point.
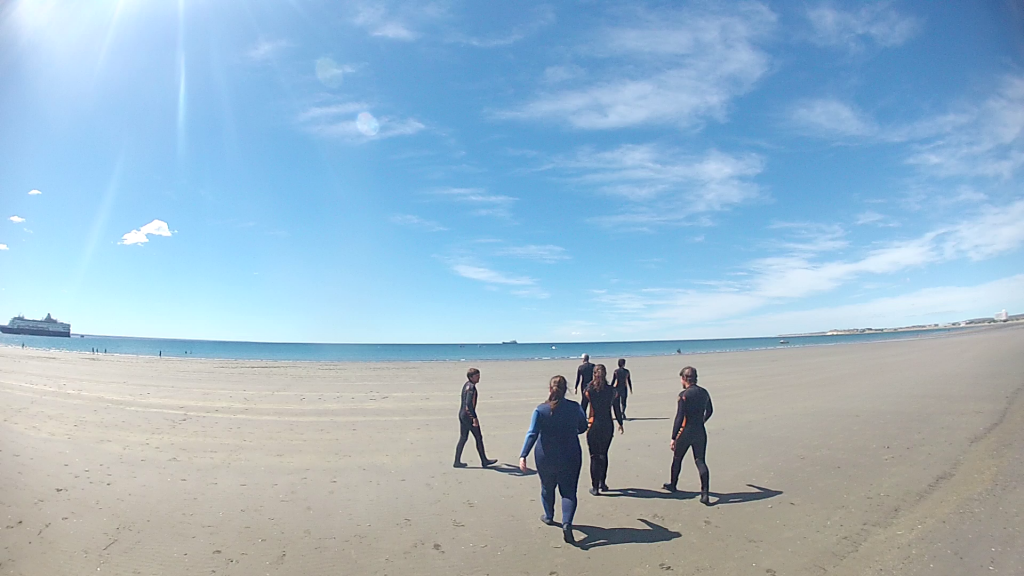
(215, 349)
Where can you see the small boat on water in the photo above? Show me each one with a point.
(510, 342)
(783, 341)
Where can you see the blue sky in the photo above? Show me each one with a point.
(450, 172)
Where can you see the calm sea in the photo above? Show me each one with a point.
(430, 352)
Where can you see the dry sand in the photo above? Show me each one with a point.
(887, 458)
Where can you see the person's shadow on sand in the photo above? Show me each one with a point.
(596, 536)
(511, 470)
(720, 497)
(737, 497)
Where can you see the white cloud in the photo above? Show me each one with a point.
(417, 222)
(666, 186)
(4, 247)
(831, 117)
(484, 203)
(141, 236)
(34, 192)
(876, 22)
(330, 73)
(350, 121)
(678, 67)
(491, 276)
(542, 16)
(985, 140)
(376, 20)
(870, 217)
(265, 50)
(799, 272)
(546, 253)
(16, 219)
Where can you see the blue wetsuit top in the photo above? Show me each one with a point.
(555, 434)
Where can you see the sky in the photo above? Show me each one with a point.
(323, 171)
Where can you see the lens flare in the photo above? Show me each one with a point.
(329, 73)
(367, 124)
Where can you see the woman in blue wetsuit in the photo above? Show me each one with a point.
(554, 429)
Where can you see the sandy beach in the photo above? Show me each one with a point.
(886, 458)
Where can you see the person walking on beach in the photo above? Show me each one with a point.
(584, 374)
(554, 429)
(601, 399)
(693, 409)
(620, 381)
(468, 422)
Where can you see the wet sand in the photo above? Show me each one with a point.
(886, 458)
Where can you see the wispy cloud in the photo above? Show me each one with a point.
(265, 50)
(877, 23)
(872, 218)
(490, 276)
(141, 236)
(542, 17)
(16, 219)
(351, 121)
(985, 139)
(665, 186)
(484, 203)
(380, 23)
(4, 247)
(675, 66)
(547, 253)
(417, 222)
(831, 117)
(799, 272)
(34, 192)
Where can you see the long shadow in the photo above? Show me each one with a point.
(597, 536)
(643, 419)
(739, 497)
(649, 494)
(510, 470)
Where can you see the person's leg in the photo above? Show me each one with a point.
(548, 481)
(593, 445)
(464, 427)
(604, 464)
(677, 463)
(568, 480)
(622, 398)
(700, 448)
(479, 435)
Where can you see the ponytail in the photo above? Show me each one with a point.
(556, 390)
(602, 381)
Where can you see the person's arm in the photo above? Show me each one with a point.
(617, 408)
(581, 424)
(709, 410)
(471, 404)
(579, 377)
(629, 381)
(531, 435)
(680, 416)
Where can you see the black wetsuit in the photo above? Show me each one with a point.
(693, 410)
(584, 375)
(467, 413)
(602, 429)
(621, 383)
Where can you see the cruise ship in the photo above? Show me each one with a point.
(48, 326)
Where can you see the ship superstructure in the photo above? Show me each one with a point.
(48, 326)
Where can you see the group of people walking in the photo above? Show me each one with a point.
(557, 423)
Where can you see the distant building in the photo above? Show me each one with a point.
(1002, 316)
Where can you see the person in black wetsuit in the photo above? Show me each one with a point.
(693, 410)
(602, 400)
(554, 429)
(468, 422)
(584, 374)
(622, 384)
